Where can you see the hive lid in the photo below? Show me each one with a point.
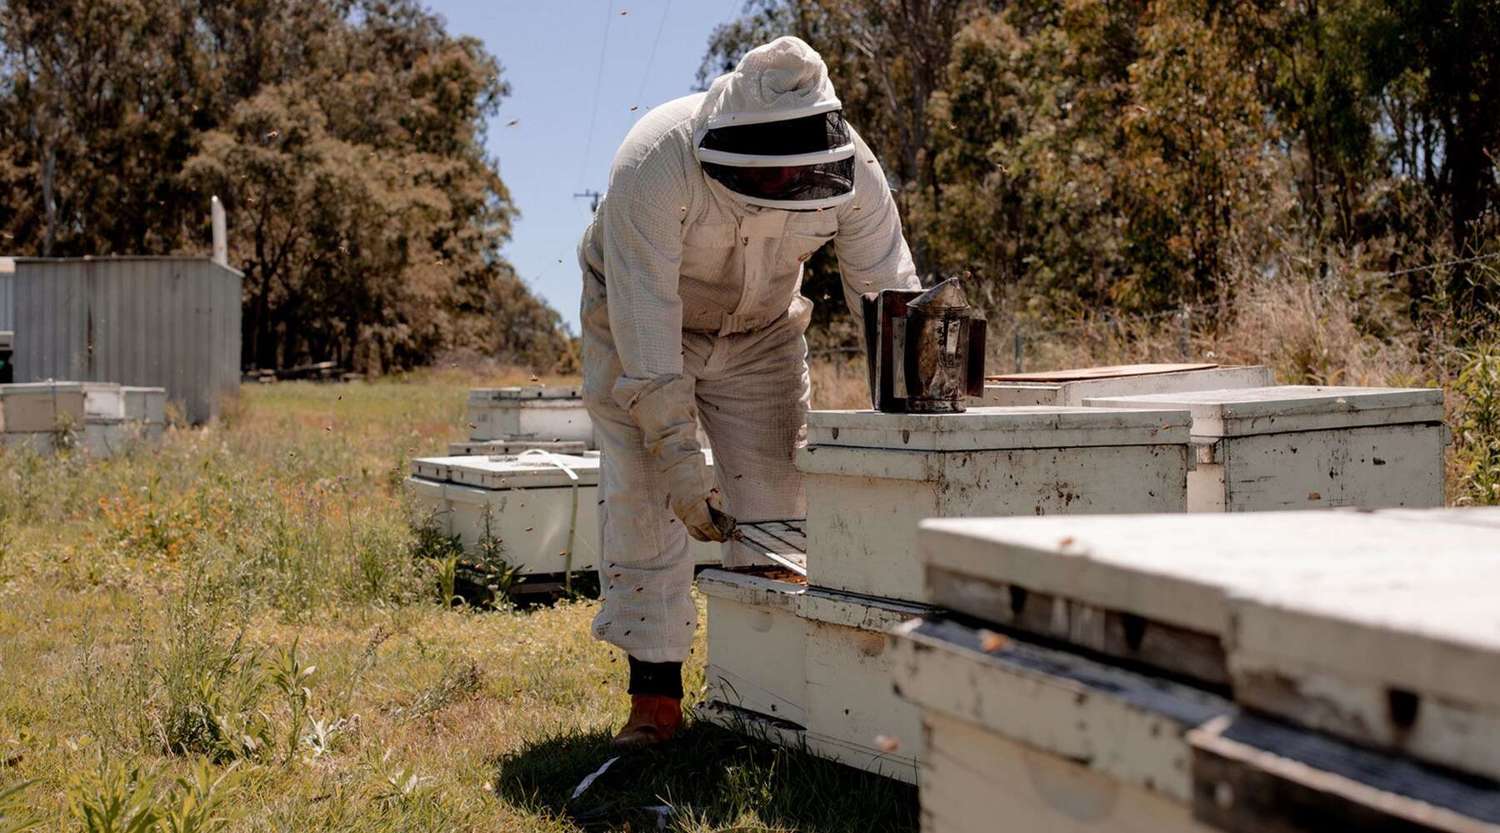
(1285, 408)
(1115, 371)
(998, 428)
(523, 393)
(1181, 569)
(510, 472)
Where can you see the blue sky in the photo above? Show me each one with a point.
(550, 51)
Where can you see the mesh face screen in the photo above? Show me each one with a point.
(792, 184)
(809, 134)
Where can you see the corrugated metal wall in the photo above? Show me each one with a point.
(168, 322)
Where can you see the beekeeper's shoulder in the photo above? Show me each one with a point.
(657, 153)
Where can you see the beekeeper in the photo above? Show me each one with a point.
(692, 313)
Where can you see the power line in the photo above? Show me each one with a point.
(588, 146)
(646, 76)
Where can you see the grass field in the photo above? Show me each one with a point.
(234, 631)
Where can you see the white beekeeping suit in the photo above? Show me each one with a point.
(692, 311)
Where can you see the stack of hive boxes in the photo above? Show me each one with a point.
(514, 419)
(805, 662)
(1285, 671)
(802, 660)
(1259, 446)
(539, 510)
(99, 417)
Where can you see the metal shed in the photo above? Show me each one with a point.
(171, 322)
(7, 293)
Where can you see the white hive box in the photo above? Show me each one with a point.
(1053, 741)
(498, 447)
(528, 502)
(47, 406)
(1380, 627)
(1309, 447)
(147, 408)
(808, 667)
(1045, 740)
(1072, 387)
(529, 413)
(871, 477)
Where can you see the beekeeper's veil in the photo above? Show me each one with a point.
(772, 131)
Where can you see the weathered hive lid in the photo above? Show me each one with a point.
(998, 428)
(526, 393)
(1434, 630)
(510, 472)
(1285, 408)
(1181, 569)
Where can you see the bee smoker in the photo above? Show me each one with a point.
(925, 349)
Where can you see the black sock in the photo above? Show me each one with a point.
(660, 678)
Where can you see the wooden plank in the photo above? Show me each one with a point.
(1239, 412)
(974, 781)
(862, 522)
(1370, 467)
(1103, 372)
(996, 429)
(1254, 776)
(1179, 569)
(1125, 636)
(1127, 726)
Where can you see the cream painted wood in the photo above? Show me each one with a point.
(1332, 653)
(45, 406)
(512, 447)
(756, 645)
(1180, 569)
(1380, 627)
(97, 438)
(1374, 467)
(529, 413)
(146, 409)
(1287, 408)
(1137, 381)
(986, 429)
(850, 699)
(863, 505)
(813, 665)
(1129, 727)
(1308, 447)
(527, 502)
(976, 781)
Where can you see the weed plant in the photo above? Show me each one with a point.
(242, 629)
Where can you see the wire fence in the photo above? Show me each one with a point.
(1021, 336)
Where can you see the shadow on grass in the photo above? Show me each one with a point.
(707, 777)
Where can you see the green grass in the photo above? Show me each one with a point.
(233, 632)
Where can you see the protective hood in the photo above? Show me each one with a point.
(772, 131)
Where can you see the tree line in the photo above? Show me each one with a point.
(1141, 154)
(345, 138)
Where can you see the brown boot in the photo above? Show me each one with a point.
(653, 720)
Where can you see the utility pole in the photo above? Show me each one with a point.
(593, 197)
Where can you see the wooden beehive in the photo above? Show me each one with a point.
(532, 504)
(1377, 627)
(871, 477)
(808, 667)
(504, 447)
(1309, 447)
(529, 413)
(1044, 739)
(1072, 387)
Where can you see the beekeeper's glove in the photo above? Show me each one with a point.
(663, 408)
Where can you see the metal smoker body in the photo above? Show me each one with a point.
(925, 349)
